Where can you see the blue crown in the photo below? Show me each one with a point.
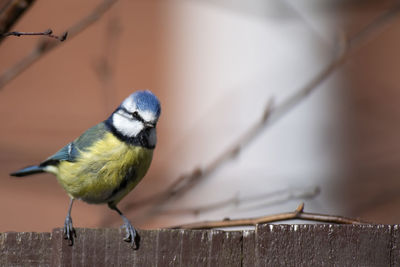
(146, 100)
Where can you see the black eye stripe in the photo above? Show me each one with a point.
(134, 114)
(137, 116)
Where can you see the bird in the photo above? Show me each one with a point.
(108, 160)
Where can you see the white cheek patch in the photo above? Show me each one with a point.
(126, 126)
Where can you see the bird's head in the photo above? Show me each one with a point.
(136, 118)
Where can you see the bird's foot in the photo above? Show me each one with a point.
(131, 235)
(69, 231)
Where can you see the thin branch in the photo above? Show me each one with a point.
(10, 12)
(251, 202)
(46, 45)
(48, 33)
(271, 114)
(298, 214)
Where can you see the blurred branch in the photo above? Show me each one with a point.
(271, 114)
(300, 194)
(187, 181)
(298, 214)
(48, 33)
(10, 12)
(251, 202)
(307, 22)
(46, 45)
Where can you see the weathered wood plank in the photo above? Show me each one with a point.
(12, 250)
(25, 249)
(92, 247)
(77, 254)
(248, 250)
(321, 245)
(395, 246)
(226, 248)
(34, 249)
(87, 238)
(195, 248)
(169, 247)
(362, 244)
(269, 245)
(61, 251)
(146, 255)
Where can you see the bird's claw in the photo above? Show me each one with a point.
(131, 235)
(69, 231)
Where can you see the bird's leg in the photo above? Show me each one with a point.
(131, 234)
(69, 231)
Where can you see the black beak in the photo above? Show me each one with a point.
(149, 125)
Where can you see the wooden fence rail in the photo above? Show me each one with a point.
(268, 245)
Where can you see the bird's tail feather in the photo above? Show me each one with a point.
(28, 171)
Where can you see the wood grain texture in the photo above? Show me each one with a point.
(324, 245)
(169, 247)
(195, 248)
(395, 246)
(268, 245)
(25, 249)
(225, 248)
(248, 248)
(146, 255)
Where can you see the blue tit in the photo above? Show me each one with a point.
(107, 161)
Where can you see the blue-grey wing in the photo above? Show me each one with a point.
(71, 152)
(67, 153)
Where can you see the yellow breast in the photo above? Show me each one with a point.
(106, 172)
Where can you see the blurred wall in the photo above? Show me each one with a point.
(214, 65)
(370, 117)
(227, 60)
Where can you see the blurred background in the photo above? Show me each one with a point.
(215, 65)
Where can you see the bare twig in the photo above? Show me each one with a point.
(271, 114)
(48, 33)
(10, 12)
(298, 214)
(46, 45)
